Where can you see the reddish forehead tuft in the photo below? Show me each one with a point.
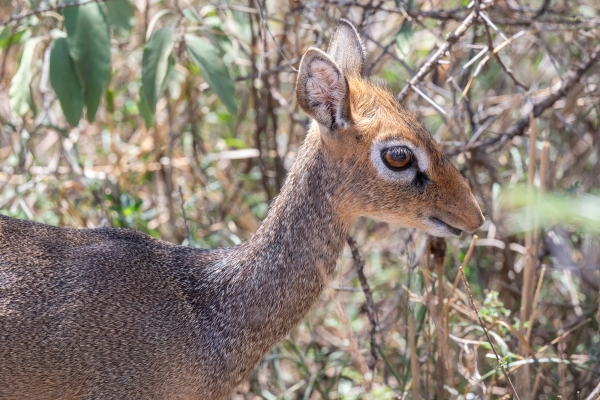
(377, 114)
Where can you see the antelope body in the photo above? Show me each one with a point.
(115, 314)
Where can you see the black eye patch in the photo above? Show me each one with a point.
(421, 180)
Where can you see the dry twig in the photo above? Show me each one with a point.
(359, 263)
(185, 221)
(353, 346)
(518, 129)
(433, 60)
(16, 18)
(437, 247)
(472, 302)
(595, 395)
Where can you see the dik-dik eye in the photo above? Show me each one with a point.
(397, 158)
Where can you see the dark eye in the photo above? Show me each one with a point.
(397, 158)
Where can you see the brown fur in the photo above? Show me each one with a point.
(115, 314)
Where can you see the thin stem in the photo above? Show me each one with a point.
(359, 263)
(472, 302)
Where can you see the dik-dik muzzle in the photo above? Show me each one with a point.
(422, 188)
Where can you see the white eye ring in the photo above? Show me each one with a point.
(397, 176)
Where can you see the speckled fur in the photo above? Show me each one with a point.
(115, 314)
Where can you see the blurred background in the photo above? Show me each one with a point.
(178, 118)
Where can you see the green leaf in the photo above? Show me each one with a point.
(20, 91)
(156, 62)
(144, 110)
(120, 13)
(110, 101)
(189, 14)
(208, 59)
(88, 38)
(236, 143)
(7, 36)
(65, 82)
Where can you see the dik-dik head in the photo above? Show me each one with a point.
(392, 169)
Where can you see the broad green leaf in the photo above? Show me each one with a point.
(170, 68)
(20, 91)
(65, 82)
(208, 59)
(156, 61)
(88, 38)
(120, 13)
(144, 110)
(548, 209)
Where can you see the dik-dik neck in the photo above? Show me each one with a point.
(270, 282)
(305, 230)
(296, 248)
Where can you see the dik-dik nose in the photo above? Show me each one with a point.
(458, 211)
(475, 221)
(468, 213)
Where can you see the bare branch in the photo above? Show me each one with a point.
(359, 262)
(432, 62)
(16, 18)
(573, 76)
(271, 71)
(508, 71)
(461, 272)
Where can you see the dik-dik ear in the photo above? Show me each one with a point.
(346, 48)
(322, 90)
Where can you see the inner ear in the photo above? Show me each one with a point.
(347, 49)
(322, 90)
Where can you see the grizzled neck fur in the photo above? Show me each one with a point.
(261, 289)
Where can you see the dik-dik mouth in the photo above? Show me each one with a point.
(442, 224)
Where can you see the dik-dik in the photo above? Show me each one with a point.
(115, 314)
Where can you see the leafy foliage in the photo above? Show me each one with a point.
(80, 65)
(207, 57)
(20, 90)
(156, 64)
(88, 39)
(65, 81)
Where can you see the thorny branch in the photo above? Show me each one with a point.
(522, 20)
(573, 76)
(359, 263)
(433, 61)
(508, 71)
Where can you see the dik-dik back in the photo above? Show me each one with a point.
(91, 314)
(115, 314)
